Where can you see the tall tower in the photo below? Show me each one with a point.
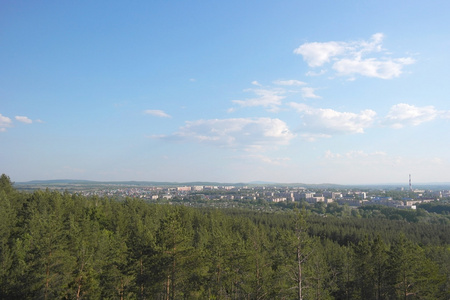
(410, 186)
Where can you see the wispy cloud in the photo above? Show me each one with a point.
(249, 134)
(312, 137)
(291, 82)
(354, 154)
(401, 115)
(270, 99)
(324, 122)
(309, 93)
(5, 122)
(371, 67)
(156, 113)
(24, 119)
(315, 73)
(354, 58)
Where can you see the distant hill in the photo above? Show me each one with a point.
(58, 182)
(62, 183)
(166, 183)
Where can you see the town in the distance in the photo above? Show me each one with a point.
(262, 195)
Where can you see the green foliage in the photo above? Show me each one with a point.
(439, 208)
(6, 184)
(62, 246)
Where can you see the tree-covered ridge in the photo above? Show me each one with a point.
(65, 246)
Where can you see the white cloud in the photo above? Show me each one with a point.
(5, 122)
(312, 137)
(373, 45)
(256, 83)
(323, 122)
(308, 92)
(331, 155)
(445, 114)
(316, 73)
(269, 99)
(156, 113)
(347, 58)
(240, 133)
(291, 82)
(384, 69)
(316, 54)
(401, 115)
(24, 119)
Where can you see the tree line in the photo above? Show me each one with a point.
(57, 245)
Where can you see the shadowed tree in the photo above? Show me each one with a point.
(7, 224)
(174, 251)
(364, 270)
(50, 262)
(379, 265)
(411, 273)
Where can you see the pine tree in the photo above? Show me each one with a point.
(174, 251)
(379, 266)
(7, 224)
(49, 260)
(298, 248)
(364, 270)
(5, 184)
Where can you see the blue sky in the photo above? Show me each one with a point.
(346, 92)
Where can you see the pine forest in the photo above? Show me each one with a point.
(61, 245)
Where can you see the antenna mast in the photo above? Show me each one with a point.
(410, 186)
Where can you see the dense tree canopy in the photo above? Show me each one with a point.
(66, 246)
